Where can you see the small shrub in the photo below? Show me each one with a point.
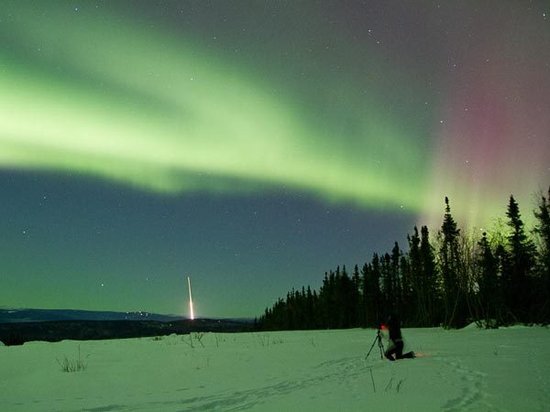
(198, 337)
(263, 340)
(192, 338)
(188, 340)
(72, 365)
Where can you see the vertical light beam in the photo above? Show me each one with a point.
(191, 312)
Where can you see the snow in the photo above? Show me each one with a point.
(459, 370)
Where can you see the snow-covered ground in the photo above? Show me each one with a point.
(462, 370)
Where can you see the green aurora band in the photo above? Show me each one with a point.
(103, 97)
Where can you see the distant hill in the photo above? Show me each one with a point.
(24, 325)
(45, 315)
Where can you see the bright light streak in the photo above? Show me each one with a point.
(191, 312)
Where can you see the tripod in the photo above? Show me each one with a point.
(377, 339)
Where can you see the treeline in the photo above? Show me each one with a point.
(451, 279)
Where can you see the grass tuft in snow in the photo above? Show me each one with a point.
(72, 365)
(263, 340)
(192, 338)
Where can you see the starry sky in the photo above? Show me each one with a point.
(253, 145)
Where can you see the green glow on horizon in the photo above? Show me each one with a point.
(139, 107)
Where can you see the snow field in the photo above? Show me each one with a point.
(462, 370)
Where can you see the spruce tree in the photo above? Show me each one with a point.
(490, 302)
(406, 310)
(396, 278)
(387, 284)
(326, 301)
(346, 300)
(542, 229)
(365, 311)
(372, 292)
(310, 309)
(453, 299)
(521, 261)
(415, 277)
(358, 308)
(429, 280)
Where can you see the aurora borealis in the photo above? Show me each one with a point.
(253, 145)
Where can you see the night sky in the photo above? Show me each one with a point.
(254, 145)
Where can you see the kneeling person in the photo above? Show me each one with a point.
(395, 349)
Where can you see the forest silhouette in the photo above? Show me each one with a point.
(451, 279)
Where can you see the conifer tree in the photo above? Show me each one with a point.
(310, 318)
(325, 300)
(521, 261)
(542, 229)
(386, 283)
(346, 300)
(450, 263)
(396, 278)
(490, 301)
(429, 279)
(406, 310)
(365, 311)
(327, 297)
(415, 276)
(372, 292)
(358, 307)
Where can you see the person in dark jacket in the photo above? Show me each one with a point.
(395, 349)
